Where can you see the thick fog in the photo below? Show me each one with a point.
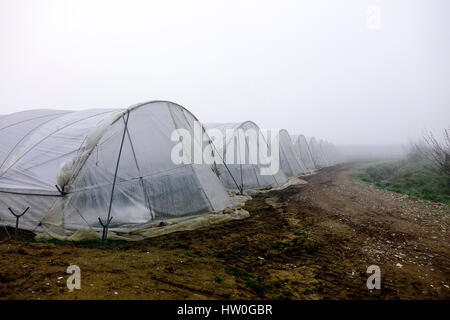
(351, 72)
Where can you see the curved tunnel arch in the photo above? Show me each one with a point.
(292, 164)
(170, 189)
(247, 175)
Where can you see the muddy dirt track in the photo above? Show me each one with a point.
(312, 241)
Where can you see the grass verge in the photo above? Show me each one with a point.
(412, 176)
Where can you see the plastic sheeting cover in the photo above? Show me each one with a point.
(290, 162)
(303, 151)
(81, 149)
(317, 153)
(242, 171)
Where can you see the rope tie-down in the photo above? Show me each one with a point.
(16, 232)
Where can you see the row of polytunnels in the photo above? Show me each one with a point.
(125, 169)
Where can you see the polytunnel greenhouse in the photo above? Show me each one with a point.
(303, 151)
(331, 152)
(317, 153)
(326, 151)
(87, 169)
(241, 168)
(290, 163)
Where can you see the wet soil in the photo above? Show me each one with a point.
(312, 241)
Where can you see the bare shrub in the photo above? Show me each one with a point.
(435, 151)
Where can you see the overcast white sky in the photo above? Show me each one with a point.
(310, 67)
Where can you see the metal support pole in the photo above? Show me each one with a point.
(105, 228)
(16, 232)
(226, 167)
(240, 166)
(109, 218)
(141, 180)
(61, 190)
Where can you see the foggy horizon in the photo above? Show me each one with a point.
(312, 68)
